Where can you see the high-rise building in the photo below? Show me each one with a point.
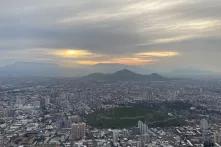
(19, 102)
(204, 126)
(115, 136)
(1, 141)
(78, 131)
(217, 137)
(207, 141)
(42, 103)
(142, 127)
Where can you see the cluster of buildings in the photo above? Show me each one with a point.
(51, 114)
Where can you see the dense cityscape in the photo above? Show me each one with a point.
(78, 112)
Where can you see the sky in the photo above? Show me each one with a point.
(152, 34)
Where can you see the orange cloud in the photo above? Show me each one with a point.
(133, 61)
(157, 54)
(75, 53)
(85, 57)
(125, 61)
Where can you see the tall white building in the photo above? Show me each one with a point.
(204, 126)
(115, 136)
(142, 127)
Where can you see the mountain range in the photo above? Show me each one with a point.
(100, 71)
(24, 69)
(125, 75)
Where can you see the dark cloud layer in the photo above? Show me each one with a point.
(113, 27)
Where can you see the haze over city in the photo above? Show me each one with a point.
(158, 36)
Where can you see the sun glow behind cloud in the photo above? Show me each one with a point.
(85, 57)
(73, 53)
